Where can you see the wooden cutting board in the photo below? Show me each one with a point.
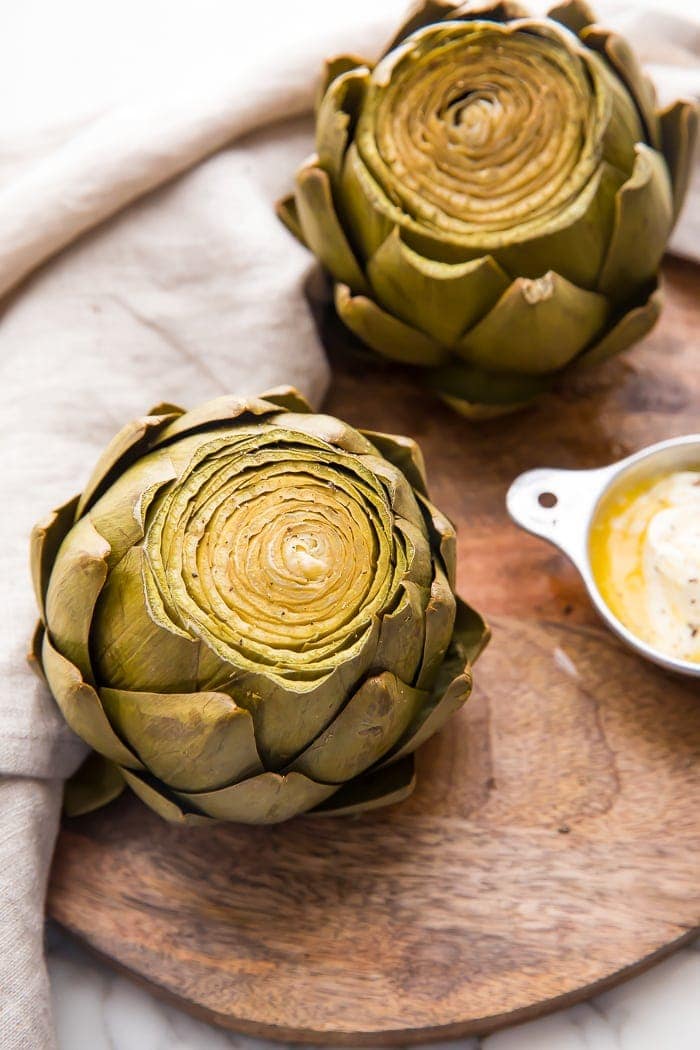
(552, 847)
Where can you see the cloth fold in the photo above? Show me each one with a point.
(141, 261)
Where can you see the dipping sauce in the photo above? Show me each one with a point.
(645, 557)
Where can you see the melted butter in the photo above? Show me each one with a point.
(645, 556)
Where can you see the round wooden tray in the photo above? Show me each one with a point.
(552, 846)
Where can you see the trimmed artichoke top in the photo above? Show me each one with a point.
(493, 197)
(250, 613)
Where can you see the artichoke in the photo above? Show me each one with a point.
(493, 197)
(250, 613)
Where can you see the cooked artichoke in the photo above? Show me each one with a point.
(493, 198)
(250, 613)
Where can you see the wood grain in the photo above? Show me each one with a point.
(553, 844)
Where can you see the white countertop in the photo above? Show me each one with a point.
(97, 1009)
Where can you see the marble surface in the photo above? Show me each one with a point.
(97, 1009)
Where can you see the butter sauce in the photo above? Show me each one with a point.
(645, 555)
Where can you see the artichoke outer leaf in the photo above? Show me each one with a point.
(119, 515)
(576, 252)
(82, 708)
(325, 428)
(191, 741)
(34, 655)
(77, 579)
(288, 398)
(371, 722)
(132, 442)
(322, 229)
(285, 718)
(381, 787)
(476, 393)
(443, 537)
(643, 221)
(536, 327)
(679, 130)
(336, 117)
(164, 806)
(446, 701)
(385, 334)
(404, 453)
(46, 538)
(220, 410)
(421, 14)
(130, 648)
(632, 327)
(333, 68)
(625, 63)
(363, 206)
(288, 214)
(472, 633)
(574, 14)
(95, 784)
(427, 12)
(454, 681)
(440, 616)
(441, 299)
(268, 798)
(402, 633)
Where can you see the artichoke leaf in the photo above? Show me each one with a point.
(131, 649)
(287, 715)
(536, 327)
(324, 428)
(268, 798)
(162, 804)
(643, 221)
(427, 12)
(46, 538)
(381, 787)
(224, 410)
(440, 299)
(679, 130)
(95, 784)
(632, 327)
(439, 625)
(132, 441)
(288, 398)
(453, 684)
(336, 118)
(624, 62)
(82, 708)
(333, 68)
(191, 741)
(288, 214)
(577, 250)
(119, 515)
(384, 333)
(367, 727)
(471, 633)
(442, 537)
(475, 393)
(321, 227)
(574, 14)
(404, 453)
(34, 655)
(402, 633)
(77, 578)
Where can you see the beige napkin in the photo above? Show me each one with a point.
(193, 290)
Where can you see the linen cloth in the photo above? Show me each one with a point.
(124, 286)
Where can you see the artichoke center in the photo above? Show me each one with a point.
(474, 128)
(280, 562)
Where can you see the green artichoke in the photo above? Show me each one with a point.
(493, 198)
(250, 613)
